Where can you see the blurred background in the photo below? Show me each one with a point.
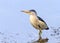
(15, 26)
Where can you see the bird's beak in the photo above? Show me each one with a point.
(25, 11)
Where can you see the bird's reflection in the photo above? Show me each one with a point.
(41, 40)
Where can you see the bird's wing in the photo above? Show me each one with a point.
(44, 22)
(41, 19)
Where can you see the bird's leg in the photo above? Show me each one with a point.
(40, 32)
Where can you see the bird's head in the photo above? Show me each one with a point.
(30, 12)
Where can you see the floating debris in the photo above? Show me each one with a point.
(55, 31)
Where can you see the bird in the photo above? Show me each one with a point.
(36, 21)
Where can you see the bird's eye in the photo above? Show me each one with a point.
(30, 11)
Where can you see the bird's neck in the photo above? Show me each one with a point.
(33, 17)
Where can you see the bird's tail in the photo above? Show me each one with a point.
(47, 28)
